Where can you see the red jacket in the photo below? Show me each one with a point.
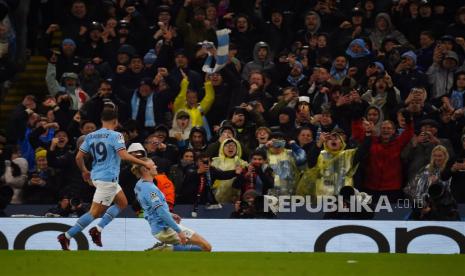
(358, 132)
(384, 168)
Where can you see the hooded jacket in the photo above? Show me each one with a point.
(358, 133)
(176, 129)
(16, 182)
(288, 128)
(78, 96)
(333, 170)
(196, 113)
(441, 79)
(457, 29)
(377, 36)
(256, 64)
(285, 166)
(204, 135)
(387, 101)
(456, 95)
(306, 34)
(383, 170)
(224, 190)
(192, 32)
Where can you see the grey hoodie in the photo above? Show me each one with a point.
(77, 95)
(377, 36)
(318, 25)
(256, 64)
(441, 79)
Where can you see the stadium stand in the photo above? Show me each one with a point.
(237, 101)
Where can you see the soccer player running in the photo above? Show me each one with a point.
(165, 226)
(107, 149)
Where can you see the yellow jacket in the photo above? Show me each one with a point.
(333, 170)
(225, 193)
(202, 108)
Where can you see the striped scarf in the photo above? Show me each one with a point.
(221, 53)
(149, 112)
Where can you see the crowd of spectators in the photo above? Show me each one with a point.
(8, 47)
(315, 95)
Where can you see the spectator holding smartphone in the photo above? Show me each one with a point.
(257, 176)
(198, 183)
(457, 171)
(14, 173)
(42, 186)
(417, 154)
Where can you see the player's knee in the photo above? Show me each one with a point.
(206, 247)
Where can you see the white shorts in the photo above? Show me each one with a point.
(170, 236)
(105, 192)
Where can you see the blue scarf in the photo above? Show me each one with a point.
(149, 114)
(456, 99)
(362, 44)
(338, 75)
(295, 81)
(221, 53)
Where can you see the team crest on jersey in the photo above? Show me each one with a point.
(121, 138)
(154, 196)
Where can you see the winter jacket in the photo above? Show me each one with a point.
(458, 179)
(166, 186)
(256, 64)
(419, 156)
(192, 182)
(93, 108)
(224, 191)
(77, 95)
(42, 194)
(196, 113)
(261, 181)
(175, 129)
(383, 168)
(16, 182)
(285, 166)
(406, 80)
(377, 36)
(333, 170)
(387, 101)
(192, 32)
(440, 79)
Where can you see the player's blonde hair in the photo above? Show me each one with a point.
(136, 168)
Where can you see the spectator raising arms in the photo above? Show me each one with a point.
(317, 72)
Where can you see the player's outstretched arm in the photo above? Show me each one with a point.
(126, 156)
(176, 218)
(167, 217)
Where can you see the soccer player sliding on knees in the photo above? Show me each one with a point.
(165, 226)
(107, 149)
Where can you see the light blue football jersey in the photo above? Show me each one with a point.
(150, 198)
(104, 145)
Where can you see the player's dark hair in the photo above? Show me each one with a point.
(202, 155)
(107, 82)
(84, 122)
(260, 153)
(109, 114)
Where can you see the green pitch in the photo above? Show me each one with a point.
(198, 263)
